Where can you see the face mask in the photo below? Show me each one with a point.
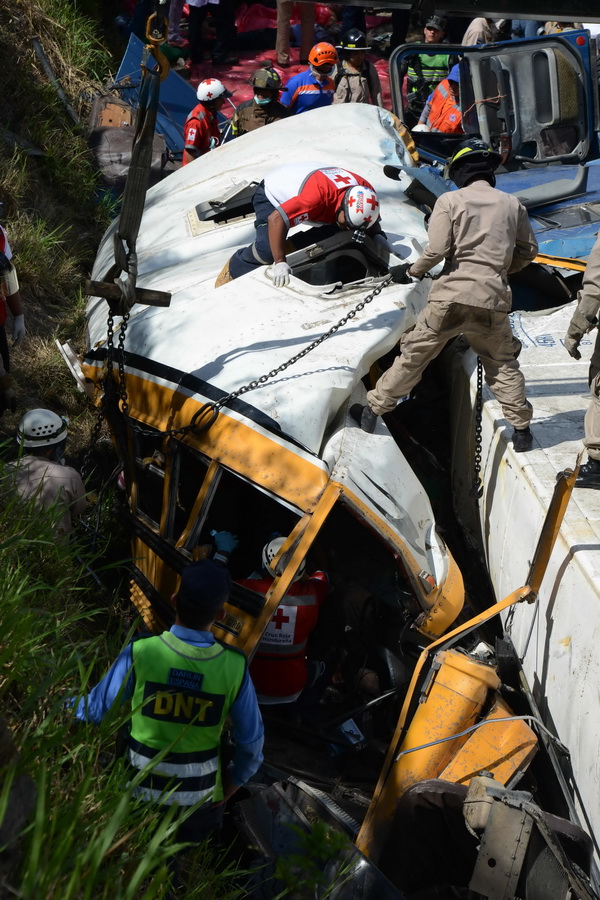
(262, 101)
(320, 76)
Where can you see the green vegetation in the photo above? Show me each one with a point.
(83, 835)
(306, 874)
(53, 211)
(69, 827)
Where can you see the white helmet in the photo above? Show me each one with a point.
(41, 428)
(211, 89)
(269, 553)
(361, 206)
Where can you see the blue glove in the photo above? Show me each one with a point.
(225, 541)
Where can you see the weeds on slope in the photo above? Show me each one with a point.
(53, 211)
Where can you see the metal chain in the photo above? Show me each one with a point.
(477, 486)
(212, 409)
(121, 364)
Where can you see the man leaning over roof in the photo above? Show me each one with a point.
(292, 195)
(481, 235)
(183, 684)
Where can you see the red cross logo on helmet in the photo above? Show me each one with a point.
(355, 207)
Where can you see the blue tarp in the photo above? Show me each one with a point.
(177, 97)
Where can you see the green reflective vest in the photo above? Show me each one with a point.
(181, 698)
(425, 72)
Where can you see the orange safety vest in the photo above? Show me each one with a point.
(444, 113)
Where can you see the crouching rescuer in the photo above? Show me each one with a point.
(300, 193)
(183, 685)
(482, 235)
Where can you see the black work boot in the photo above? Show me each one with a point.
(364, 416)
(589, 474)
(522, 439)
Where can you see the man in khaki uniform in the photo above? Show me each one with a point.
(584, 319)
(40, 474)
(483, 235)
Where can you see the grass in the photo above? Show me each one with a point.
(54, 214)
(85, 836)
(69, 826)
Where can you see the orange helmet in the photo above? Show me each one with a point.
(323, 54)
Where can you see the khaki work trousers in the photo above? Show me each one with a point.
(592, 417)
(306, 11)
(490, 336)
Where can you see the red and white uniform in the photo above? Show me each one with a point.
(278, 669)
(305, 192)
(4, 248)
(201, 132)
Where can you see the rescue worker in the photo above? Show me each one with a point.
(421, 73)
(482, 235)
(481, 31)
(9, 297)
(356, 80)
(442, 110)
(264, 108)
(176, 680)
(280, 669)
(584, 319)
(40, 472)
(314, 87)
(201, 131)
(297, 193)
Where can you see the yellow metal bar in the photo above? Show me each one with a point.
(302, 537)
(556, 511)
(562, 262)
(168, 470)
(212, 470)
(383, 804)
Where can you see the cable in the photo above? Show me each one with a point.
(451, 737)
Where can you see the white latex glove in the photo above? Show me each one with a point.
(281, 274)
(18, 332)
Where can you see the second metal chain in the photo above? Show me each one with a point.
(477, 486)
(211, 410)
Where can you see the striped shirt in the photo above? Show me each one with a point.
(304, 92)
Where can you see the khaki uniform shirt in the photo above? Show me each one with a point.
(590, 292)
(35, 476)
(353, 85)
(484, 235)
(248, 116)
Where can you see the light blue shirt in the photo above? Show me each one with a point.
(248, 732)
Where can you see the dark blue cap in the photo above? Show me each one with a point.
(205, 585)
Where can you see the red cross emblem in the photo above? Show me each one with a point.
(209, 95)
(280, 618)
(351, 201)
(373, 202)
(342, 179)
(367, 219)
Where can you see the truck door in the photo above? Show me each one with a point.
(535, 101)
